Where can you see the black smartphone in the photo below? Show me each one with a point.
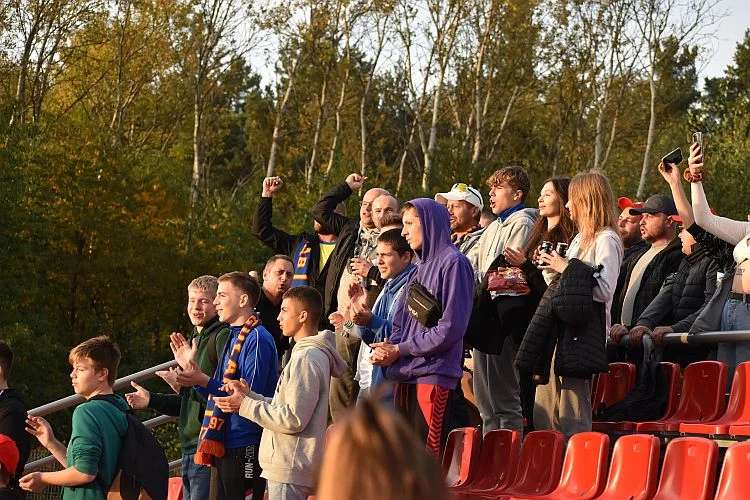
(673, 158)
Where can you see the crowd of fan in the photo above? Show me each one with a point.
(417, 316)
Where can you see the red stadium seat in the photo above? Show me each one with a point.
(584, 470)
(174, 491)
(672, 370)
(738, 410)
(538, 468)
(734, 481)
(689, 469)
(498, 461)
(634, 470)
(702, 397)
(461, 455)
(614, 385)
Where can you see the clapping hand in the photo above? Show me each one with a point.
(184, 353)
(237, 390)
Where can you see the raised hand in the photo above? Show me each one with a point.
(361, 314)
(673, 177)
(271, 186)
(192, 375)
(183, 352)
(139, 399)
(355, 181)
(695, 160)
(336, 319)
(170, 377)
(40, 428)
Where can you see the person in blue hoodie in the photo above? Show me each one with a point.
(425, 361)
(228, 442)
(394, 258)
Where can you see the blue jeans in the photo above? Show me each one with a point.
(736, 316)
(196, 479)
(287, 491)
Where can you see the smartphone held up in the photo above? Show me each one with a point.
(673, 158)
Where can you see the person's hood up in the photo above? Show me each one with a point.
(436, 227)
(326, 342)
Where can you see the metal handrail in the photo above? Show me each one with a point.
(120, 383)
(700, 338)
(75, 399)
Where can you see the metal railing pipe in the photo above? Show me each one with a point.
(700, 338)
(120, 383)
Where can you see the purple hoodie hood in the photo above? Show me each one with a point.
(434, 355)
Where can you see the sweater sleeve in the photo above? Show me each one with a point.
(300, 396)
(166, 404)
(608, 255)
(457, 284)
(731, 231)
(376, 328)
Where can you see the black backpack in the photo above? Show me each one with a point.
(143, 469)
(646, 402)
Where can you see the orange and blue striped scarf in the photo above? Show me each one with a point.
(301, 260)
(212, 431)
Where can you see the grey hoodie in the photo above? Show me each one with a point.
(294, 421)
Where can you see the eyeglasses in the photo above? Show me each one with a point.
(365, 204)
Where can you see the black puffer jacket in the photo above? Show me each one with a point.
(685, 295)
(567, 317)
(346, 230)
(662, 265)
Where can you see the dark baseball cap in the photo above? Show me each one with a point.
(656, 204)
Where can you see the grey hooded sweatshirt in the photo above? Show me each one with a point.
(294, 421)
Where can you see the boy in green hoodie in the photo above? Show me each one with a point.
(210, 335)
(296, 418)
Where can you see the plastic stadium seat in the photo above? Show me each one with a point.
(538, 469)
(738, 410)
(634, 470)
(734, 481)
(702, 397)
(611, 387)
(498, 461)
(174, 491)
(689, 469)
(461, 455)
(672, 371)
(584, 470)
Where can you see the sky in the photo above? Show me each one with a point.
(730, 30)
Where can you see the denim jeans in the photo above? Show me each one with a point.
(196, 479)
(736, 316)
(287, 491)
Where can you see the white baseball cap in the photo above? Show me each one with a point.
(461, 191)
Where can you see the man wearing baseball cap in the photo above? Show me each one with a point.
(8, 463)
(464, 204)
(648, 268)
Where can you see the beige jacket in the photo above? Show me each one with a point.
(294, 421)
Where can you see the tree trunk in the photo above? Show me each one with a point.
(197, 118)
(316, 137)
(650, 138)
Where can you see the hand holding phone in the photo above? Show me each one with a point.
(673, 158)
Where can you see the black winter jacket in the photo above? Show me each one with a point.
(685, 294)
(347, 232)
(662, 265)
(569, 319)
(284, 243)
(13, 425)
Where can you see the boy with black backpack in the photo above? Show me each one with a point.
(101, 428)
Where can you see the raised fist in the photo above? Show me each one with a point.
(271, 186)
(355, 181)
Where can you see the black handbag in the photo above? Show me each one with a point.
(423, 306)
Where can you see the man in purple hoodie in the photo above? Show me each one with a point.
(425, 361)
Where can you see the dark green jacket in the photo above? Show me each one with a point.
(189, 405)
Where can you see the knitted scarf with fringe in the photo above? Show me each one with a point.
(214, 420)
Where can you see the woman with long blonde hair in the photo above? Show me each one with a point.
(564, 403)
(373, 454)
